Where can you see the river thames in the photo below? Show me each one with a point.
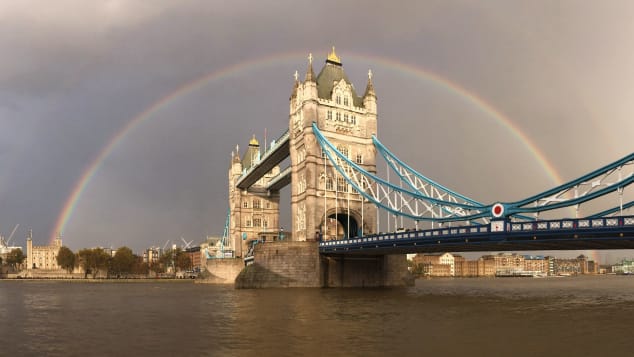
(581, 316)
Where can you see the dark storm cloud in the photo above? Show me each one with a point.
(74, 73)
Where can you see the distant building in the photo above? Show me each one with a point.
(593, 267)
(42, 257)
(509, 264)
(195, 257)
(624, 267)
(468, 268)
(151, 255)
(536, 263)
(438, 264)
(213, 248)
(111, 252)
(458, 265)
(486, 266)
(573, 266)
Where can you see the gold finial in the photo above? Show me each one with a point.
(296, 75)
(254, 141)
(370, 74)
(310, 58)
(332, 57)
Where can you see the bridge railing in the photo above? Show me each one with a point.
(431, 233)
(568, 224)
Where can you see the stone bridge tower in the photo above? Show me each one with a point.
(254, 213)
(323, 205)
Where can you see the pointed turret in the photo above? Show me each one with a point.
(252, 156)
(369, 89)
(369, 98)
(309, 85)
(295, 85)
(310, 74)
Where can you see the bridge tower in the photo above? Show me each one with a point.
(254, 212)
(323, 205)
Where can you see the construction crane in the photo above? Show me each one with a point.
(187, 244)
(4, 244)
(12, 233)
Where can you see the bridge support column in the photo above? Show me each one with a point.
(365, 271)
(284, 264)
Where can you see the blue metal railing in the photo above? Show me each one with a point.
(567, 224)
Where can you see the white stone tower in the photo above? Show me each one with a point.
(323, 206)
(254, 213)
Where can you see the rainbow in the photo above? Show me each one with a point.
(71, 202)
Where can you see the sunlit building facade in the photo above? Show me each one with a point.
(42, 257)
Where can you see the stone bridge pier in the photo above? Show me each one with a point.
(283, 264)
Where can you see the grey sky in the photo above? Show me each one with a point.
(74, 73)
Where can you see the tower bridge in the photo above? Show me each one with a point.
(337, 199)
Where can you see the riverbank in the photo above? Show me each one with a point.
(91, 280)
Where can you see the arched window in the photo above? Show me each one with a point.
(301, 185)
(338, 116)
(342, 185)
(338, 99)
(330, 115)
(345, 100)
(329, 186)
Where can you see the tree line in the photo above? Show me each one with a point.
(123, 263)
(14, 258)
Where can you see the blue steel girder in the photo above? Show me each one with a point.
(426, 200)
(425, 185)
(610, 179)
(395, 199)
(278, 151)
(614, 210)
(419, 182)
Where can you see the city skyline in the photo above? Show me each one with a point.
(135, 109)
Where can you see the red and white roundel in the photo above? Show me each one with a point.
(497, 210)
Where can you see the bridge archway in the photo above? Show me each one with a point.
(341, 226)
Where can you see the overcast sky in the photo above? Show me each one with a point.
(73, 74)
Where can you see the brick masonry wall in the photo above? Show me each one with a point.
(298, 264)
(222, 271)
(282, 264)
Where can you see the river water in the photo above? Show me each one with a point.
(581, 316)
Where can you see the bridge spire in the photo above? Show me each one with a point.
(333, 58)
(295, 85)
(310, 74)
(369, 89)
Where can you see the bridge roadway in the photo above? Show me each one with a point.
(563, 234)
(279, 150)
